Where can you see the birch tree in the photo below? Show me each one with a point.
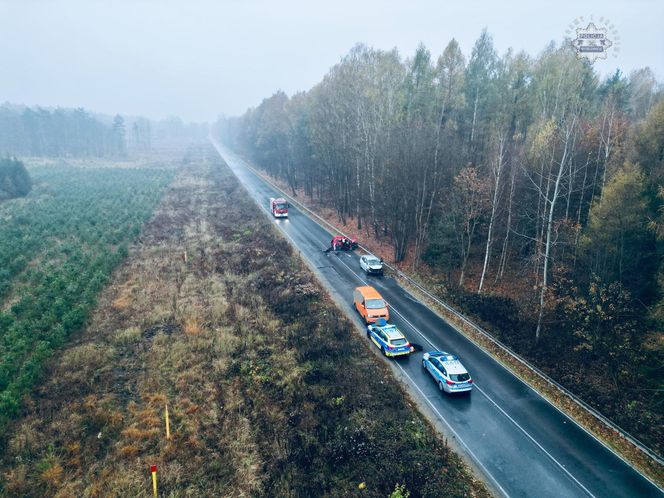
(497, 169)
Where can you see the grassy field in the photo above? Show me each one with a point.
(58, 248)
(271, 391)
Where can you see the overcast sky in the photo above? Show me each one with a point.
(198, 59)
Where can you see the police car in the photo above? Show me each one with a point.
(389, 339)
(448, 372)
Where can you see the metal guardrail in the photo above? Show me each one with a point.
(579, 402)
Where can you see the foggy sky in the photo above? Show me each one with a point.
(198, 59)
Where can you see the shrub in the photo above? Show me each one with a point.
(14, 179)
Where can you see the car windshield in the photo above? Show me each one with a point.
(399, 342)
(375, 304)
(459, 377)
(373, 261)
(282, 206)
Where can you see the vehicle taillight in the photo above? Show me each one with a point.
(449, 382)
(390, 347)
(470, 381)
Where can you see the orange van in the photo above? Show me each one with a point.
(370, 305)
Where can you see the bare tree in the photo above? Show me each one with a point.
(495, 186)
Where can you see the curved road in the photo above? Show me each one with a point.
(522, 444)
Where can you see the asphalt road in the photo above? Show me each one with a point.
(522, 444)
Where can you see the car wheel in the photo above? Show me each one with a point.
(440, 386)
(424, 365)
(368, 334)
(382, 349)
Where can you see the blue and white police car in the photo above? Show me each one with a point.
(448, 372)
(389, 339)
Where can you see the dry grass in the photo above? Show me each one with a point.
(125, 297)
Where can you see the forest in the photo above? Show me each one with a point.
(528, 191)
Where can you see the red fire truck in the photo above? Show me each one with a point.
(279, 207)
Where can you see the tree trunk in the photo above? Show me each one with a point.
(498, 169)
(471, 231)
(549, 226)
(607, 153)
(472, 129)
(503, 254)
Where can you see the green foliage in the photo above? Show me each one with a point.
(649, 143)
(443, 248)
(618, 243)
(57, 251)
(14, 179)
(608, 329)
(400, 491)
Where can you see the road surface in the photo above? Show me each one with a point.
(522, 444)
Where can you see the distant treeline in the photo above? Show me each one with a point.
(60, 132)
(26, 131)
(14, 179)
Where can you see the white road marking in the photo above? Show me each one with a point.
(535, 442)
(456, 435)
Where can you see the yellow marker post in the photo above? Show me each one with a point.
(168, 424)
(153, 469)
